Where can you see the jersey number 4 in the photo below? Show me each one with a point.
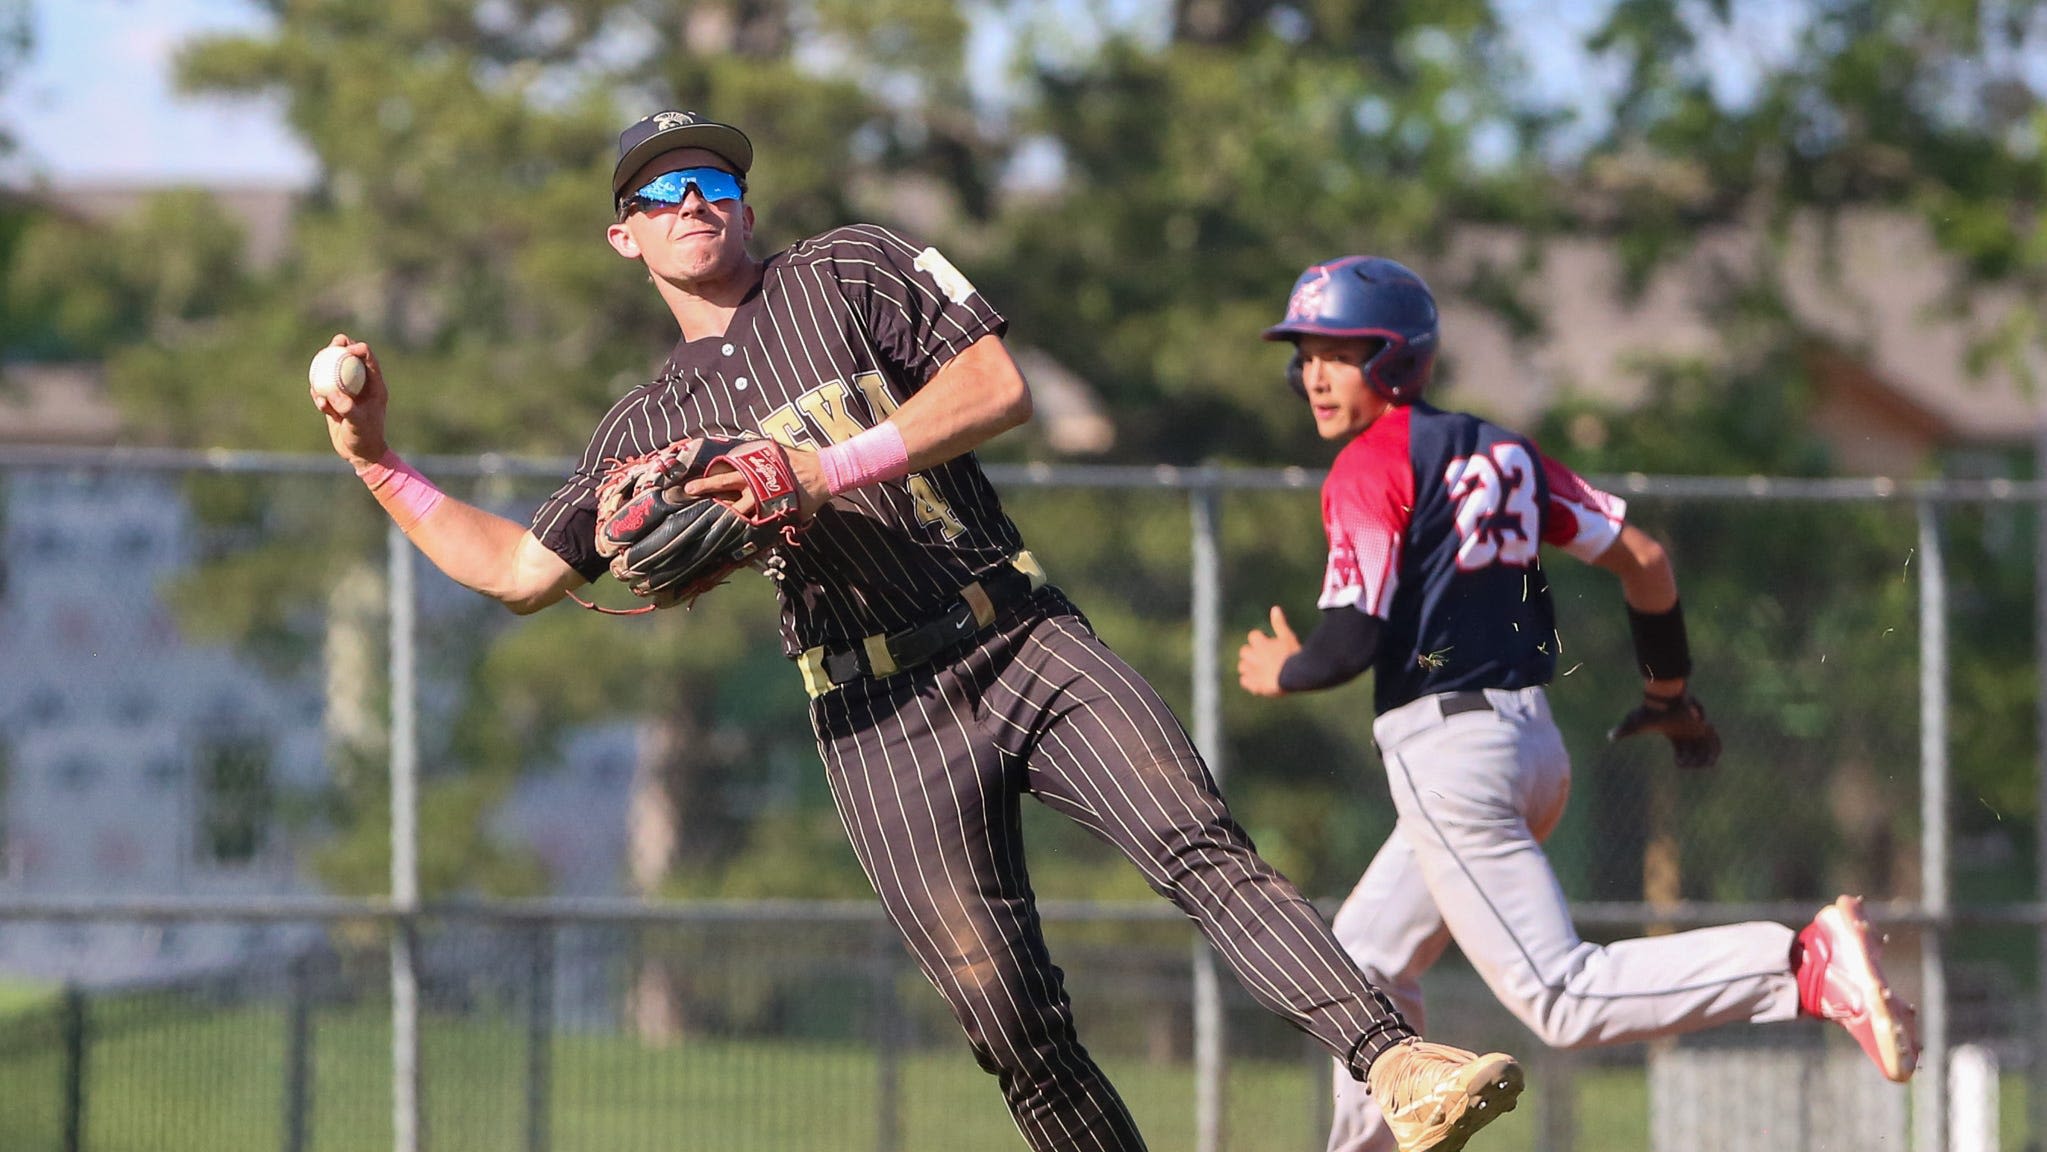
(827, 406)
(1498, 519)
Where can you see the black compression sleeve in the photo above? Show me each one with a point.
(1339, 650)
(1662, 651)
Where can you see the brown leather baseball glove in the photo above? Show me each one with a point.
(670, 548)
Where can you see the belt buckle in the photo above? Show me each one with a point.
(843, 666)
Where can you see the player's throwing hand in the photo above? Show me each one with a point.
(355, 424)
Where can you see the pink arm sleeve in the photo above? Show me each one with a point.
(873, 456)
(398, 486)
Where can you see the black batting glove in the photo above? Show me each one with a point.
(1682, 720)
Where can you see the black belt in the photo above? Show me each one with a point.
(1457, 703)
(979, 603)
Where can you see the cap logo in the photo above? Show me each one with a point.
(1306, 302)
(663, 121)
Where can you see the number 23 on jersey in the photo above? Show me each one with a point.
(1499, 519)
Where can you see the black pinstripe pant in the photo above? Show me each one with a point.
(928, 769)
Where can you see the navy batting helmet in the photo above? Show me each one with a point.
(1366, 297)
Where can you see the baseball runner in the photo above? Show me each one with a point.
(947, 678)
(1435, 520)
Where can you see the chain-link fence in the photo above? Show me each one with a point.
(197, 721)
(757, 1027)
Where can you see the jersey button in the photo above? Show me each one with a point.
(740, 383)
(727, 350)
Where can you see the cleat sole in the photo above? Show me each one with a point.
(1897, 1051)
(1496, 1092)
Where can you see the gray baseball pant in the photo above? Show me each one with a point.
(1476, 794)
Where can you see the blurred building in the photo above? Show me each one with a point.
(139, 762)
(263, 211)
(56, 404)
(1893, 331)
(134, 764)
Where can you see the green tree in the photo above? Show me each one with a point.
(15, 215)
(16, 42)
(1196, 177)
(1921, 105)
(83, 290)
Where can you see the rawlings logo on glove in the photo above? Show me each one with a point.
(669, 547)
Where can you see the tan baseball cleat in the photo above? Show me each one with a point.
(1434, 1096)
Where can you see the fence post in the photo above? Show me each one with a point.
(1210, 1052)
(72, 1023)
(1931, 1103)
(405, 1081)
(539, 1035)
(298, 1052)
(2036, 1098)
(1972, 1083)
(888, 1122)
(1556, 1106)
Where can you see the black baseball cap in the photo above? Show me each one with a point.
(667, 131)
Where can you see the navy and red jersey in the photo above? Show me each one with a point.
(1436, 520)
(843, 328)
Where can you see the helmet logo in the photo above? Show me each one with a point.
(1306, 302)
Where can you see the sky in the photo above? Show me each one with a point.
(95, 103)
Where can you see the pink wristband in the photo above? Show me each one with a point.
(398, 486)
(875, 455)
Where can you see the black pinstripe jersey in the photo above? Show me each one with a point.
(843, 328)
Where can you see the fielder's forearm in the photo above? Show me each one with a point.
(978, 395)
(1648, 580)
(479, 550)
(1649, 589)
(475, 548)
(1655, 619)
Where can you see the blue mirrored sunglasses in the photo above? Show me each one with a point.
(671, 188)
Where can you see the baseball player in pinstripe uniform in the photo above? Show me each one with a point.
(947, 677)
(1435, 520)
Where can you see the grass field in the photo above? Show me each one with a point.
(214, 1081)
(207, 1081)
(17, 996)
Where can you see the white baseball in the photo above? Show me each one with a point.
(334, 368)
